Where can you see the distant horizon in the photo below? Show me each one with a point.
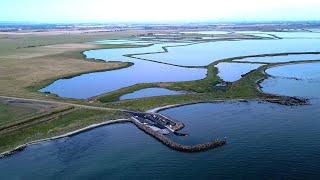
(164, 11)
(162, 22)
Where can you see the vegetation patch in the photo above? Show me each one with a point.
(72, 121)
(10, 113)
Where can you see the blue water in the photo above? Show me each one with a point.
(265, 141)
(93, 84)
(231, 72)
(256, 33)
(205, 53)
(301, 80)
(278, 59)
(296, 35)
(150, 92)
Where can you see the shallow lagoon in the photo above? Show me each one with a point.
(284, 34)
(278, 59)
(231, 72)
(202, 54)
(93, 84)
(294, 80)
(150, 92)
(296, 34)
(256, 33)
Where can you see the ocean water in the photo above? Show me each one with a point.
(264, 140)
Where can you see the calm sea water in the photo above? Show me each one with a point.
(264, 141)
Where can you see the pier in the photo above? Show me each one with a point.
(158, 126)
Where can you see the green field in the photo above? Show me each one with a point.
(10, 114)
(61, 124)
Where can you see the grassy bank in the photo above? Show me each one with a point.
(62, 124)
(10, 113)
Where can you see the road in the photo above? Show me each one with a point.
(63, 103)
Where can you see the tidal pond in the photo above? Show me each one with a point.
(93, 84)
(202, 54)
(150, 92)
(282, 58)
(231, 72)
(283, 34)
(301, 80)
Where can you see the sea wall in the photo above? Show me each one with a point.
(176, 146)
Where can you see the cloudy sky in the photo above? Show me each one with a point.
(157, 10)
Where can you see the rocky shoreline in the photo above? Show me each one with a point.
(176, 146)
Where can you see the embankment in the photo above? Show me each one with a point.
(179, 147)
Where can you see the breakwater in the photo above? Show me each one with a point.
(176, 146)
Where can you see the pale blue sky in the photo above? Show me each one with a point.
(157, 10)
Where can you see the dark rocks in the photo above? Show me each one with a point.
(9, 153)
(290, 101)
(179, 147)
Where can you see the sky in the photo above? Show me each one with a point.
(158, 10)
